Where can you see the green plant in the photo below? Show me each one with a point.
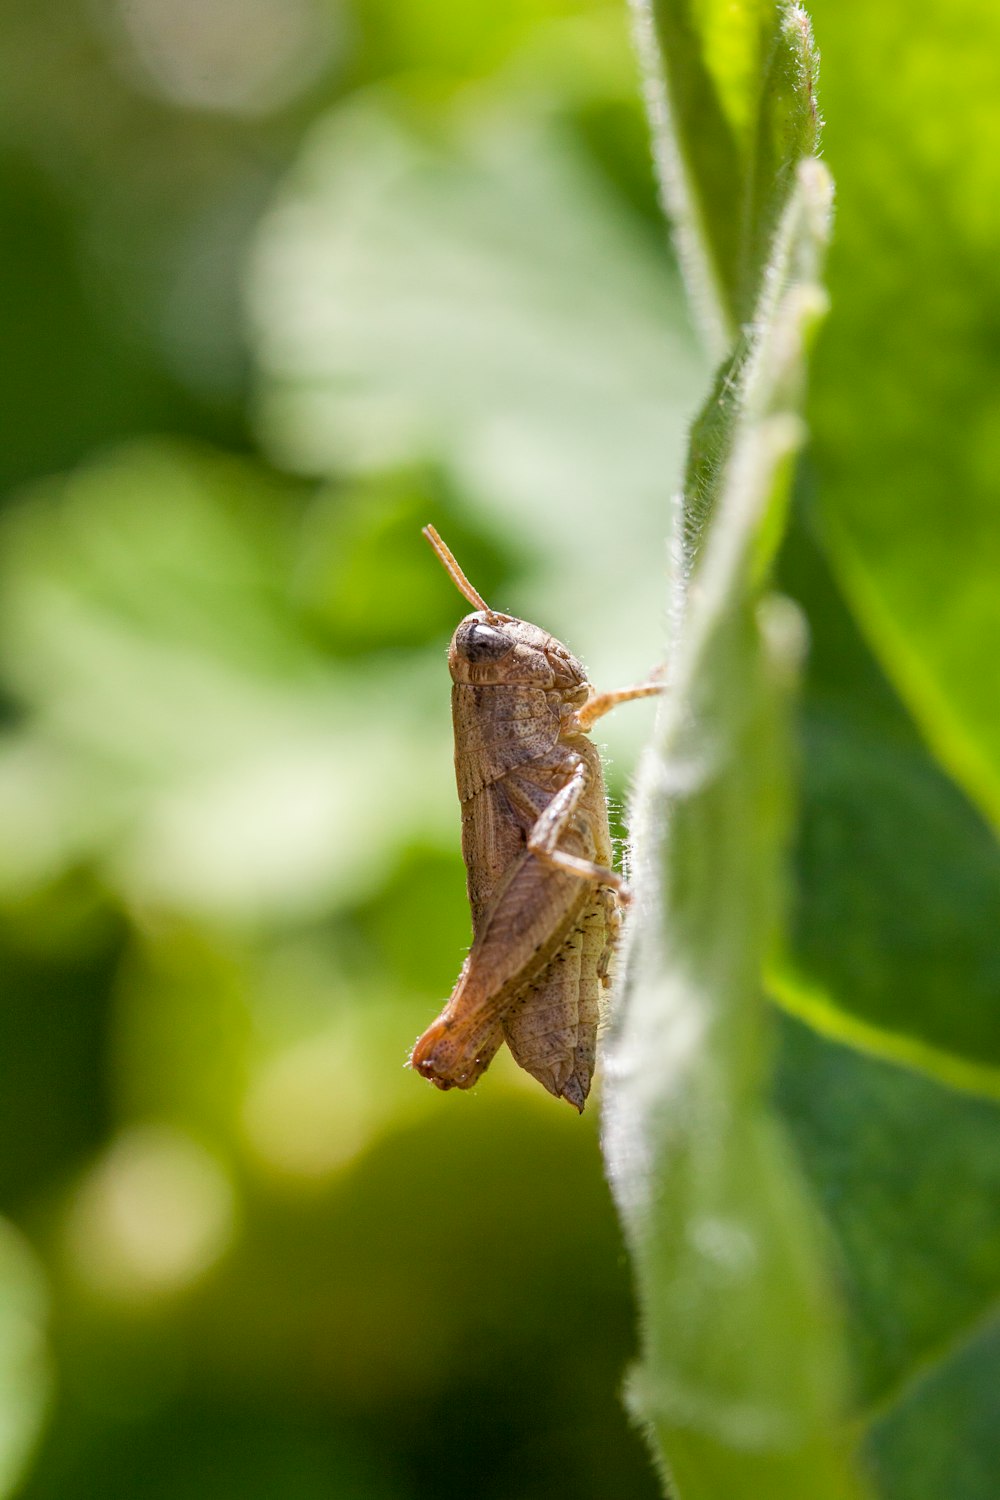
(742, 1380)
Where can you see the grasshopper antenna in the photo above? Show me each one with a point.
(455, 573)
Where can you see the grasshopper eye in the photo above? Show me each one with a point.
(481, 643)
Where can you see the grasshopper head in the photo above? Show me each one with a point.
(491, 648)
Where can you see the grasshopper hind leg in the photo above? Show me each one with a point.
(451, 1056)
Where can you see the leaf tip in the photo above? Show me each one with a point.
(796, 27)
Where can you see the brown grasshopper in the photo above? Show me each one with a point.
(537, 848)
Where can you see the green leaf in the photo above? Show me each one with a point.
(732, 101)
(740, 1380)
(892, 1094)
(908, 1173)
(897, 876)
(904, 410)
(890, 957)
(943, 1436)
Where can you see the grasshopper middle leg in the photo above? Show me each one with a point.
(549, 827)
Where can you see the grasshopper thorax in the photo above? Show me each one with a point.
(492, 648)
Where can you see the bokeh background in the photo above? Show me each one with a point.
(283, 280)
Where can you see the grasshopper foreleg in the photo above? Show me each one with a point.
(602, 703)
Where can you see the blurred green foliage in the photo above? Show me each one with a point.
(283, 281)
